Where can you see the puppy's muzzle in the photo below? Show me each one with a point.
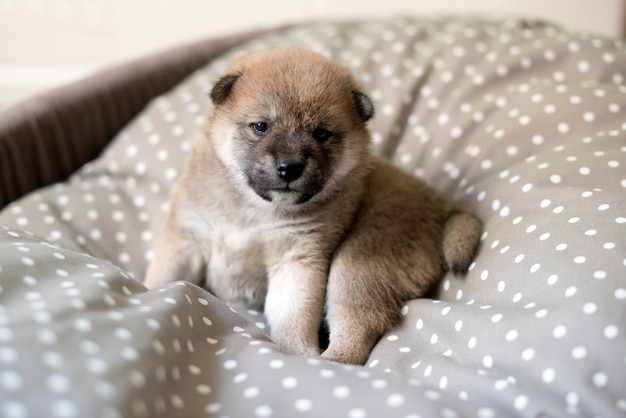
(289, 170)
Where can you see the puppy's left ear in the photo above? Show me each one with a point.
(222, 88)
(364, 105)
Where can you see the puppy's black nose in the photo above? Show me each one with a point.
(289, 170)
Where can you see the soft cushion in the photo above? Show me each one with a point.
(520, 121)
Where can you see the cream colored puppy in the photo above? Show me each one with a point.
(282, 208)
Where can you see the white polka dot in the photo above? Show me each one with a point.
(486, 413)
(579, 353)
(341, 392)
(14, 409)
(11, 381)
(95, 234)
(251, 392)
(379, 384)
(559, 331)
(240, 378)
(357, 413)
(277, 364)
(27, 261)
(548, 375)
(563, 127)
(213, 408)
(600, 379)
(471, 343)
(488, 361)
(395, 400)
(178, 130)
(511, 335)
(83, 325)
(58, 383)
(387, 110)
(589, 117)
(496, 318)
(549, 109)
(263, 411)
(52, 359)
(303, 405)
(611, 331)
(97, 366)
(8, 355)
(528, 354)
(64, 409)
(572, 399)
(590, 308)
(500, 385)
(583, 66)
(521, 402)
(571, 291)
(230, 364)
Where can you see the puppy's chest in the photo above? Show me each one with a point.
(235, 270)
(235, 250)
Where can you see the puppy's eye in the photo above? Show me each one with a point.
(260, 128)
(321, 134)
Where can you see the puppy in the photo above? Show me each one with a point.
(283, 208)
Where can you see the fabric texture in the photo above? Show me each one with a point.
(520, 121)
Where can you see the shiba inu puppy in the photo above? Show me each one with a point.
(283, 208)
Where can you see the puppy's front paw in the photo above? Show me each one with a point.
(294, 302)
(293, 342)
(350, 351)
(346, 355)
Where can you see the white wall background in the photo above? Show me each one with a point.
(44, 43)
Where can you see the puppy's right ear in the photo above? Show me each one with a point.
(220, 91)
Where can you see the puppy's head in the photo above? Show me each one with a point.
(290, 125)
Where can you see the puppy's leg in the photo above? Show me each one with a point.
(175, 258)
(384, 261)
(360, 308)
(294, 303)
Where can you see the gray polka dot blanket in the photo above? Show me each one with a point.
(521, 121)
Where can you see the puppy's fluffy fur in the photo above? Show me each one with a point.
(283, 208)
